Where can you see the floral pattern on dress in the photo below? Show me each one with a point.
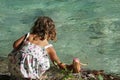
(31, 61)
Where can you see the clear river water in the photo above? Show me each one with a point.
(87, 29)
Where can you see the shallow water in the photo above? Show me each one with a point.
(88, 29)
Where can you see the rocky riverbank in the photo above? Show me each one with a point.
(57, 74)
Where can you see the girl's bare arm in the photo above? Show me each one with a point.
(17, 43)
(54, 58)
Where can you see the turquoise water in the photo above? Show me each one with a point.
(88, 29)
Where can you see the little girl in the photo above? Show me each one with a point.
(30, 57)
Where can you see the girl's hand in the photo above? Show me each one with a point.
(62, 66)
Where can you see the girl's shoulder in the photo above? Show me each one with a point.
(32, 38)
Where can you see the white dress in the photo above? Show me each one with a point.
(31, 61)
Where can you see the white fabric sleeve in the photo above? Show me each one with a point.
(49, 45)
